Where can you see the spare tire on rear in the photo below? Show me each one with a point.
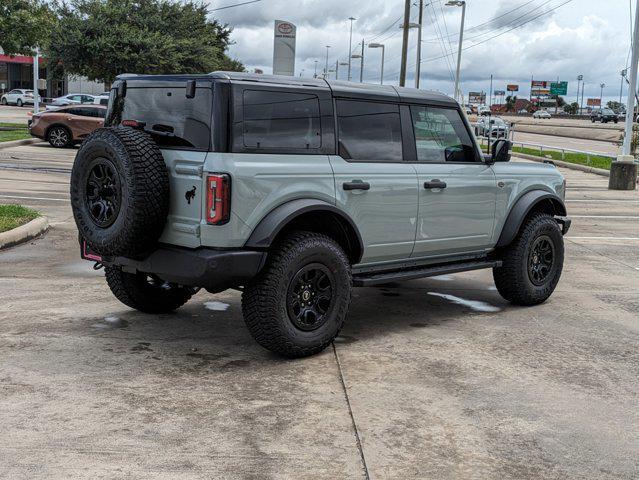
(120, 192)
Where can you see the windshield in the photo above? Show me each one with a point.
(608, 111)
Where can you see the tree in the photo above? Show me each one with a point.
(101, 39)
(511, 101)
(25, 25)
(572, 109)
(615, 106)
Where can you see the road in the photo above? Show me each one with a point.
(12, 114)
(434, 378)
(594, 146)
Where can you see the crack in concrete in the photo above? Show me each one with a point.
(350, 412)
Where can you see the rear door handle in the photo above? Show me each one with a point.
(356, 185)
(435, 183)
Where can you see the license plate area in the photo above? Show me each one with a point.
(87, 254)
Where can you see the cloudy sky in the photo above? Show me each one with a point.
(513, 40)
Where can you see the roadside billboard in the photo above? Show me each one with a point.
(540, 88)
(476, 98)
(512, 87)
(594, 102)
(284, 48)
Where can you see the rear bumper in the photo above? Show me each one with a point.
(215, 270)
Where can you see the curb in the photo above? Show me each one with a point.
(18, 143)
(560, 163)
(24, 233)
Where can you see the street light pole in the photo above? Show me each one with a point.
(361, 65)
(418, 68)
(602, 85)
(579, 79)
(315, 74)
(350, 48)
(383, 47)
(459, 3)
(623, 171)
(624, 72)
(36, 81)
(326, 67)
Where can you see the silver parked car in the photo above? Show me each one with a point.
(70, 99)
(296, 191)
(542, 114)
(492, 127)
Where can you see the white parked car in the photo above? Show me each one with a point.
(541, 114)
(481, 111)
(102, 99)
(70, 99)
(17, 97)
(491, 126)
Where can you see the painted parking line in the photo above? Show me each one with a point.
(633, 217)
(16, 197)
(603, 238)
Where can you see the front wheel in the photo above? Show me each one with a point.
(298, 303)
(4, 101)
(532, 264)
(146, 293)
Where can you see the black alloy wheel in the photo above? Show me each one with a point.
(541, 260)
(103, 192)
(309, 298)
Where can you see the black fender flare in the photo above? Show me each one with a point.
(522, 208)
(272, 224)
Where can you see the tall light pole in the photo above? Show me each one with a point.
(402, 71)
(350, 48)
(579, 79)
(383, 47)
(459, 3)
(623, 171)
(36, 81)
(326, 67)
(602, 85)
(315, 74)
(583, 88)
(624, 72)
(418, 69)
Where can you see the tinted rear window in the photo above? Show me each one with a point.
(369, 131)
(282, 120)
(172, 119)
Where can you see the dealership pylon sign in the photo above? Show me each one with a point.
(284, 48)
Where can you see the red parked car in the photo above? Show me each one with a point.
(67, 125)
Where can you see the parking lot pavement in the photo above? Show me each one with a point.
(13, 114)
(434, 378)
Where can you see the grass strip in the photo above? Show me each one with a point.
(12, 216)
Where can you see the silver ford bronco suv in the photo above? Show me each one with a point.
(294, 191)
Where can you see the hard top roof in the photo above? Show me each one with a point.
(338, 88)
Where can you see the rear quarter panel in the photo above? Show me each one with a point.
(520, 178)
(259, 184)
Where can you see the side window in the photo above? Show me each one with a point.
(75, 98)
(72, 111)
(281, 120)
(369, 131)
(441, 135)
(100, 112)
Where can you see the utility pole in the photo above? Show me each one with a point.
(418, 68)
(315, 74)
(350, 48)
(602, 85)
(579, 79)
(490, 100)
(36, 81)
(336, 69)
(402, 72)
(459, 3)
(361, 65)
(623, 171)
(583, 87)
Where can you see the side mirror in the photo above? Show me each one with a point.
(501, 151)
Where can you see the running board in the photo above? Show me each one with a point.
(378, 278)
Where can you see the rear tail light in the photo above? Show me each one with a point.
(218, 199)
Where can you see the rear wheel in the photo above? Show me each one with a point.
(59, 137)
(19, 102)
(298, 304)
(146, 293)
(4, 101)
(532, 264)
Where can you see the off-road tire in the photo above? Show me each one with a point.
(264, 301)
(135, 291)
(143, 181)
(53, 136)
(512, 279)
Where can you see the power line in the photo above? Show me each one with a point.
(233, 6)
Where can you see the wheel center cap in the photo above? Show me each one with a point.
(306, 295)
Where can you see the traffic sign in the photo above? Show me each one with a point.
(559, 88)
